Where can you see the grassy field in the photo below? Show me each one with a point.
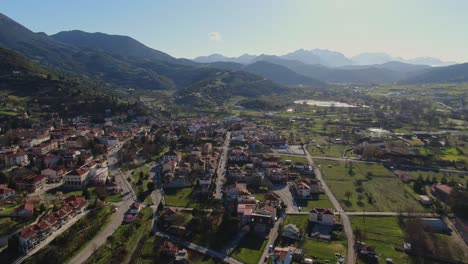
(322, 202)
(123, 241)
(62, 248)
(384, 233)
(180, 198)
(372, 187)
(318, 249)
(250, 249)
(332, 150)
(293, 159)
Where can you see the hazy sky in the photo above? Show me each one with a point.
(189, 28)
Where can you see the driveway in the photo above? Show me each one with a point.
(285, 195)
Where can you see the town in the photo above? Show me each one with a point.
(239, 132)
(231, 189)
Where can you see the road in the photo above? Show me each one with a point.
(116, 219)
(390, 214)
(221, 172)
(271, 238)
(351, 258)
(198, 248)
(382, 162)
(50, 238)
(286, 196)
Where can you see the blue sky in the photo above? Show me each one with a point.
(407, 28)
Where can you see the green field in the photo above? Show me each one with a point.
(320, 250)
(250, 249)
(379, 189)
(62, 248)
(121, 244)
(180, 198)
(322, 202)
(384, 233)
(293, 159)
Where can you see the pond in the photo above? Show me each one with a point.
(324, 103)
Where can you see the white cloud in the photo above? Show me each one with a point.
(215, 36)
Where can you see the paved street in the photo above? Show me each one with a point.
(221, 172)
(351, 258)
(271, 238)
(116, 219)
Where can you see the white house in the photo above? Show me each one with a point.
(303, 189)
(16, 159)
(291, 231)
(172, 155)
(324, 216)
(76, 179)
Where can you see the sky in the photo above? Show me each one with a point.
(191, 28)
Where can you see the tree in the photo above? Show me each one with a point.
(86, 194)
(150, 186)
(348, 194)
(444, 180)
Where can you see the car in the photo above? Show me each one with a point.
(266, 259)
(270, 248)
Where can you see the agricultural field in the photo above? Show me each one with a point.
(384, 233)
(181, 198)
(250, 249)
(320, 250)
(367, 187)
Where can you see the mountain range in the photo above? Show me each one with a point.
(329, 58)
(123, 62)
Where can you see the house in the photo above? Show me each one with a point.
(303, 190)
(25, 210)
(172, 155)
(244, 212)
(442, 191)
(205, 185)
(236, 190)
(27, 238)
(6, 193)
(113, 187)
(169, 214)
(53, 175)
(169, 166)
(283, 255)
(19, 158)
(52, 221)
(76, 179)
(272, 199)
(31, 183)
(77, 203)
(45, 147)
(324, 216)
(291, 231)
(263, 219)
(169, 249)
(425, 200)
